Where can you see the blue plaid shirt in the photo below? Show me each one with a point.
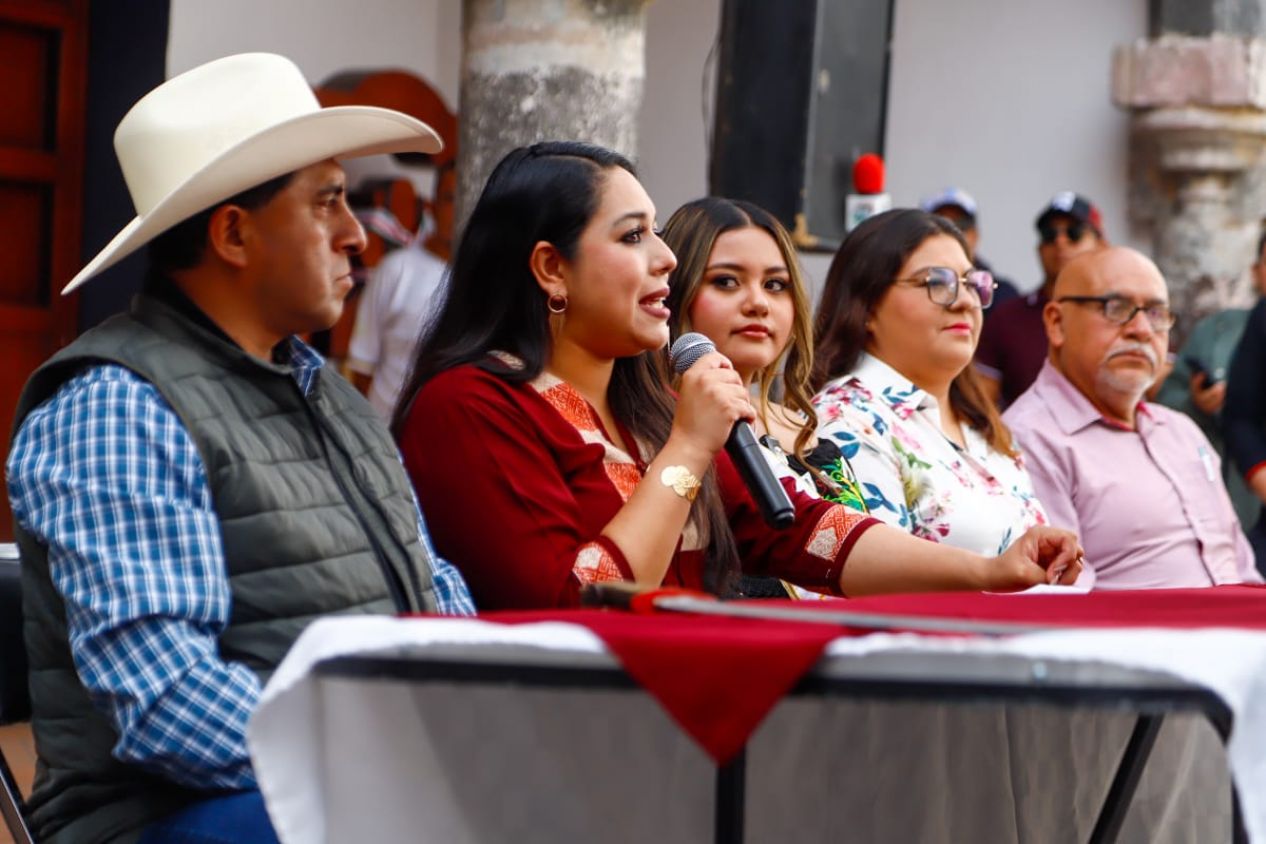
(105, 473)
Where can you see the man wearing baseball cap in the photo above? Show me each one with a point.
(1012, 344)
(191, 485)
(959, 207)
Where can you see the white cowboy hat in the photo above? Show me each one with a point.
(229, 125)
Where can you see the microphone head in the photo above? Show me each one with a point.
(868, 174)
(687, 350)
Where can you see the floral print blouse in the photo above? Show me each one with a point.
(912, 475)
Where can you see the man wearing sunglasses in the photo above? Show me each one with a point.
(1012, 342)
(1138, 482)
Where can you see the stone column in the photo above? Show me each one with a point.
(535, 70)
(1198, 96)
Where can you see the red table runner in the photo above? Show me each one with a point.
(719, 677)
(1218, 606)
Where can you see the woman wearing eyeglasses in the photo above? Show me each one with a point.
(897, 326)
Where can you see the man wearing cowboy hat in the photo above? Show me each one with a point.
(190, 484)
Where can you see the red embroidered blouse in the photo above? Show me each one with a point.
(517, 482)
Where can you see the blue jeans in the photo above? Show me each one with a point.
(235, 819)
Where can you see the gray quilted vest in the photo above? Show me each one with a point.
(316, 516)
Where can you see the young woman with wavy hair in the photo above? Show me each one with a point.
(738, 281)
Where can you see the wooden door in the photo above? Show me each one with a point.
(43, 59)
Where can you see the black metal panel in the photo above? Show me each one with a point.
(849, 106)
(801, 92)
(762, 111)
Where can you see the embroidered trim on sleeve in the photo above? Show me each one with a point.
(594, 564)
(832, 530)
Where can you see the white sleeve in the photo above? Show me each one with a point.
(365, 348)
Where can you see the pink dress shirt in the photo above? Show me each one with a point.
(1148, 504)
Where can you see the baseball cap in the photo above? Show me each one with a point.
(1075, 206)
(956, 197)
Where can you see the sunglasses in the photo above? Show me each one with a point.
(942, 284)
(1074, 231)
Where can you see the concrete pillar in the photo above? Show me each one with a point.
(1197, 90)
(535, 70)
(1208, 17)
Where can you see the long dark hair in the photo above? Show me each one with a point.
(691, 233)
(861, 272)
(547, 192)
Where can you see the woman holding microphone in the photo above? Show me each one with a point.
(548, 452)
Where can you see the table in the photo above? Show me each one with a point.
(470, 730)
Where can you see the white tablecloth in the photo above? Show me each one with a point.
(387, 761)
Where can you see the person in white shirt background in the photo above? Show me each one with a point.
(399, 298)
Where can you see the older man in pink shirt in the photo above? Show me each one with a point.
(1138, 482)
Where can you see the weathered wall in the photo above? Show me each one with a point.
(536, 70)
(1196, 94)
(1003, 98)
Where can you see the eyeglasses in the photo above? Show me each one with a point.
(1122, 311)
(1074, 231)
(942, 285)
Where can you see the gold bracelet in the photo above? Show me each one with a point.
(681, 481)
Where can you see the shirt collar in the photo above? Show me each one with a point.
(304, 361)
(890, 386)
(1073, 411)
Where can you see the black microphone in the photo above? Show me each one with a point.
(741, 446)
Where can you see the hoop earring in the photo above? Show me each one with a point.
(557, 303)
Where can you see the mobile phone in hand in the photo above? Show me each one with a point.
(1210, 377)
